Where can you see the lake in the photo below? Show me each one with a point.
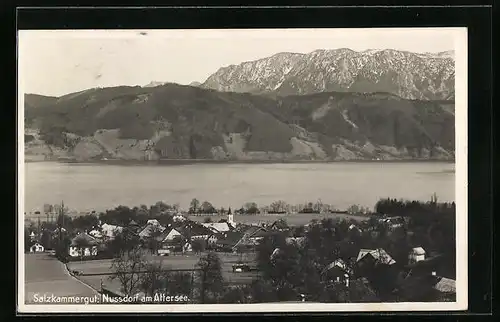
(86, 187)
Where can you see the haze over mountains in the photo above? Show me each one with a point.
(326, 105)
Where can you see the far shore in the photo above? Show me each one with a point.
(210, 161)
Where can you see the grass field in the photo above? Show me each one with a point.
(167, 262)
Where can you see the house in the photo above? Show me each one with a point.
(225, 241)
(110, 231)
(152, 227)
(295, 240)
(83, 245)
(169, 234)
(355, 228)
(426, 288)
(435, 264)
(153, 222)
(192, 230)
(179, 218)
(416, 254)
(379, 255)
(218, 227)
(251, 237)
(279, 224)
(37, 248)
(337, 271)
(95, 233)
(392, 222)
(187, 248)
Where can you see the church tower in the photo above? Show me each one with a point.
(230, 217)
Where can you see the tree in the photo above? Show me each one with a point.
(211, 276)
(194, 205)
(180, 283)
(207, 208)
(152, 240)
(251, 208)
(127, 268)
(27, 240)
(278, 206)
(86, 222)
(198, 245)
(154, 279)
(123, 242)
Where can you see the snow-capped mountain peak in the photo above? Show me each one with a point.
(406, 74)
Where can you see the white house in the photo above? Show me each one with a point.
(83, 245)
(379, 255)
(417, 254)
(110, 231)
(171, 235)
(37, 248)
(187, 248)
(178, 218)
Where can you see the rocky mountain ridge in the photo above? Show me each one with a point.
(423, 76)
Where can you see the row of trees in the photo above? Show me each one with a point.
(136, 274)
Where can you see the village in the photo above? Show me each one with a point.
(402, 254)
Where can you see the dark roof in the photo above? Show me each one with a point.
(254, 231)
(229, 238)
(194, 229)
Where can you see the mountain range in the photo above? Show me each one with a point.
(409, 75)
(326, 105)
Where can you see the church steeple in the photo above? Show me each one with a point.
(230, 217)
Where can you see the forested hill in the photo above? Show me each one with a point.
(185, 122)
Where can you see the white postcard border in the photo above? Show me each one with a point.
(460, 40)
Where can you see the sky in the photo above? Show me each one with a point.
(58, 62)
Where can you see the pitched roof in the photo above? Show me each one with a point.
(420, 287)
(418, 251)
(194, 229)
(165, 233)
(217, 226)
(229, 238)
(253, 230)
(152, 222)
(379, 254)
(336, 263)
(446, 285)
(298, 240)
(84, 238)
(150, 228)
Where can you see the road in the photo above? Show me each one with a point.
(44, 274)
